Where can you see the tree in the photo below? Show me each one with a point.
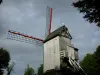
(89, 64)
(29, 71)
(91, 10)
(0, 1)
(4, 59)
(97, 57)
(40, 70)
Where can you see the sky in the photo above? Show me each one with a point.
(29, 17)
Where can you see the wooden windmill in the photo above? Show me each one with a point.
(57, 44)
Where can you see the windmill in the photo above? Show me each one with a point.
(10, 68)
(57, 45)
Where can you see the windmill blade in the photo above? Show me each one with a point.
(48, 21)
(13, 35)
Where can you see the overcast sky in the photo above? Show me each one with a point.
(29, 17)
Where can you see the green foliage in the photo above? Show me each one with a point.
(91, 10)
(4, 60)
(91, 63)
(40, 70)
(97, 57)
(29, 71)
(0, 1)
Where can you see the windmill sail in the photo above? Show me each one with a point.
(13, 35)
(48, 21)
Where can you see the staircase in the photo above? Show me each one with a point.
(76, 66)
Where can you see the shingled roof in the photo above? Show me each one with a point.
(58, 32)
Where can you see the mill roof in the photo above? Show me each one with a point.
(58, 32)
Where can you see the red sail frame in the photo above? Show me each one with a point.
(17, 35)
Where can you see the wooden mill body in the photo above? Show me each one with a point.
(58, 45)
